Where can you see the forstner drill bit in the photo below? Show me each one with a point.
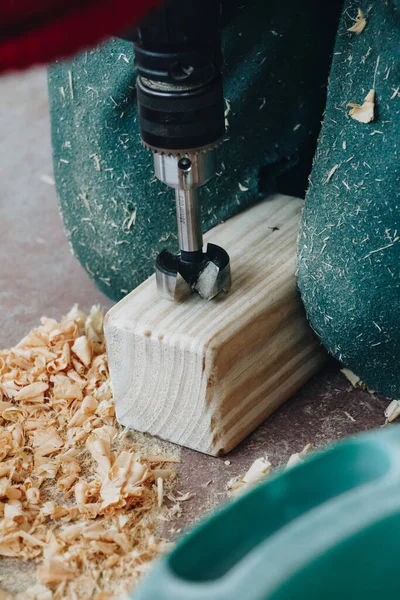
(207, 273)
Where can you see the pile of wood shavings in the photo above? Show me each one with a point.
(75, 494)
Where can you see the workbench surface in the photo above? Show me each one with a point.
(39, 276)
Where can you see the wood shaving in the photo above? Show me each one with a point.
(364, 113)
(298, 457)
(352, 377)
(356, 381)
(260, 470)
(185, 497)
(47, 179)
(82, 349)
(75, 493)
(359, 23)
(392, 411)
(331, 173)
(55, 571)
(160, 491)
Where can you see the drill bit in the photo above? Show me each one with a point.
(207, 273)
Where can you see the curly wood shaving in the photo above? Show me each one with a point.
(31, 391)
(298, 457)
(355, 380)
(392, 411)
(352, 377)
(83, 350)
(258, 471)
(364, 113)
(46, 441)
(74, 493)
(359, 24)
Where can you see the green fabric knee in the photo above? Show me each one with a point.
(349, 244)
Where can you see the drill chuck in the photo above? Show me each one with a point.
(180, 118)
(179, 85)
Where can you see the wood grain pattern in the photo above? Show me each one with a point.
(205, 374)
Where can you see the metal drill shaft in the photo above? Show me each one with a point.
(188, 217)
(186, 174)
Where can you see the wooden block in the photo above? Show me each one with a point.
(205, 374)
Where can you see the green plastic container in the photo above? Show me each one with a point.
(328, 529)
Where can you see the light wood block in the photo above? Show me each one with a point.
(205, 374)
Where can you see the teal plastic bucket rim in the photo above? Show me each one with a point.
(368, 463)
(375, 459)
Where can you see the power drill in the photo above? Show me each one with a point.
(181, 116)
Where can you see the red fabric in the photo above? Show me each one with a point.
(39, 31)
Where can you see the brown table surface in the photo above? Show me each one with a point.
(39, 276)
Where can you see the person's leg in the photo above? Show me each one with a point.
(349, 243)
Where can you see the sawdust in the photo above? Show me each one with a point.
(77, 495)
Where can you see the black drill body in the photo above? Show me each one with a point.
(179, 86)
